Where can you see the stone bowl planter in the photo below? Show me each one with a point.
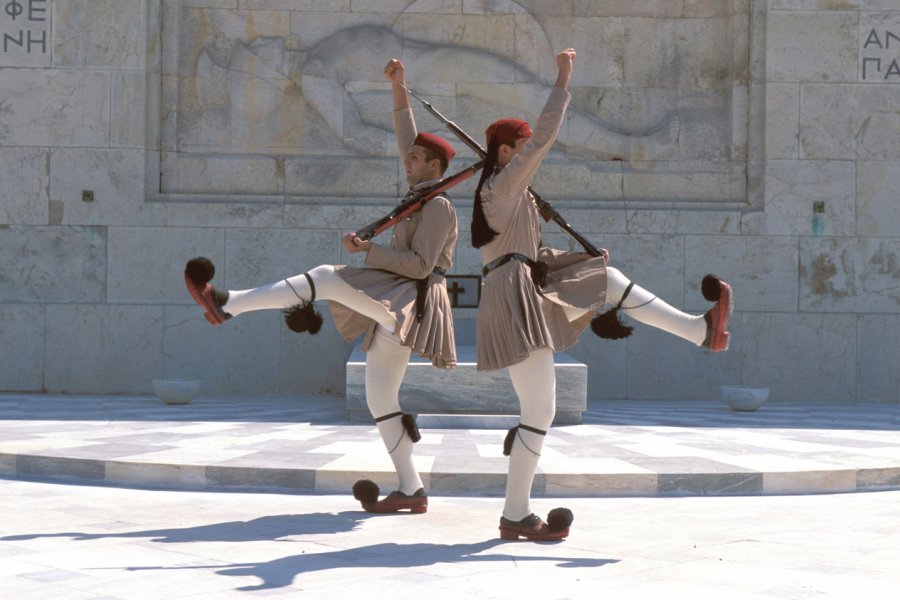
(742, 398)
(176, 391)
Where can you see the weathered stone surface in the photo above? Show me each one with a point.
(240, 357)
(877, 183)
(22, 337)
(146, 264)
(54, 107)
(792, 189)
(782, 120)
(258, 257)
(854, 275)
(845, 121)
(235, 175)
(879, 345)
(26, 30)
(762, 271)
(25, 193)
(811, 46)
(99, 33)
(800, 356)
(127, 110)
(324, 176)
(53, 264)
(115, 176)
(102, 348)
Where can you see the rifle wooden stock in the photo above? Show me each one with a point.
(408, 207)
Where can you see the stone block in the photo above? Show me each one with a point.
(704, 126)
(708, 8)
(116, 177)
(53, 264)
(683, 183)
(846, 121)
(689, 219)
(800, 357)
(762, 271)
(146, 264)
(313, 364)
(855, 275)
(663, 366)
(258, 257)
(224, 214)
(240, 357)
(879, 347)
(465, 390)
(127, 116)
(234, 174)
(792, 188)
(26, 29)
(22, 337)
(301, 5)
(629, 109)
(832, 5)
(811, 46)
(25, 193)
(585, 180)
(877, 183)
(782, 120)
(334, 176)
(102, 349)
(627, 8)
(601, 39)
(99, 33)
(52, 107)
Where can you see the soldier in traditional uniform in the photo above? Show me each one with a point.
(536, 300)
(398, 300)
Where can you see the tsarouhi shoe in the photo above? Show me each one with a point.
(717, 318)
(534, 529)
(198, 272)
(367, 493)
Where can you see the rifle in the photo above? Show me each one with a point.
(416, 201)
(547, 211)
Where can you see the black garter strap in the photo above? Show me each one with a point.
(409, 425)
(312, 287)
(514, 432)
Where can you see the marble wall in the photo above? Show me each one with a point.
(756, 139)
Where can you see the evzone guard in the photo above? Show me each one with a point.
(398, 300)
(536, 300)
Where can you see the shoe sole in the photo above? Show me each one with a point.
(721, 317)
(205, 302)
(551, 536)
(380, 508)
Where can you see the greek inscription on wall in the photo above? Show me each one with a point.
(880, 48)
(25, 32)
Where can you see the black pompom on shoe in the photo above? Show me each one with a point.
(559, 519)
(366, 491)
(710, 288)
(200, 270)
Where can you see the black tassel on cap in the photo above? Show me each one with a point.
(609, 325)
(366, 491)
(409, 424)
(303, 317)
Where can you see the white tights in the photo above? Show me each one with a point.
(648, 309)
(288, 292)
(534, 381)
(386, 362)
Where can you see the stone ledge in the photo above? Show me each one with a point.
(467, 391)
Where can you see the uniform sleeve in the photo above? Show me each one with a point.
(404, 130)
(507, 186)
(427, 243)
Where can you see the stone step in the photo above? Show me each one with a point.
(467, 391)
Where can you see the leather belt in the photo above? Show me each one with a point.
(538, 269)
(422, 290)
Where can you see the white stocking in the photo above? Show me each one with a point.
(534, 380)
(288, 292)
(386, 362)
(643, 306)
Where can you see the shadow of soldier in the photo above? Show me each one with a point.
(271, 528)
(281, 572)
